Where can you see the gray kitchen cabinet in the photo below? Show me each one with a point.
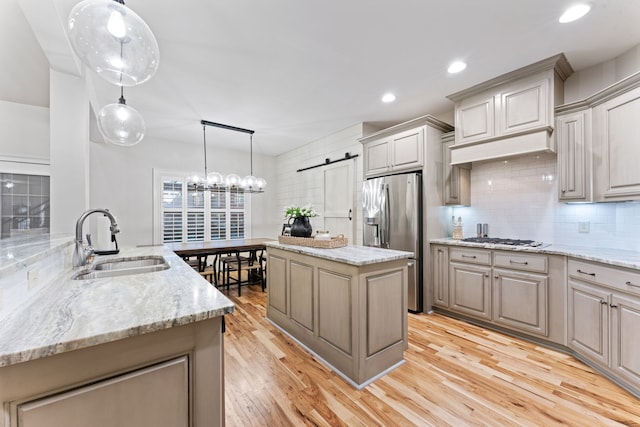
(397, 152)
(616, 145)
(509, 115)
(520, 292)
(589, 321)
(604, 318)
(520, 301)
(625, 348)
(573, 140)
(170, 377)
(157, 395)
(440, 276)
(524, 292)
(470, 282)
(456, 179)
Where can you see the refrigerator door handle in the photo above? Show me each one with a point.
(387, 215)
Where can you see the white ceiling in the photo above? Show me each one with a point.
(295, 71)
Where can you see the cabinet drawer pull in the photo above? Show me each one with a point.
(632, 284)
(518, 262)
(468, 256)
(584, 272)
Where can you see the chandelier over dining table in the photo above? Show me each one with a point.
(215, 181)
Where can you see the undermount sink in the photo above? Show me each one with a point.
(122, 267)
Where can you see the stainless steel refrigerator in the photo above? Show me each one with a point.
(392, 212)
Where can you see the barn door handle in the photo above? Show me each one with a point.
(350, 211)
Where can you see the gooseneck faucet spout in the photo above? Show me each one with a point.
(82, 254)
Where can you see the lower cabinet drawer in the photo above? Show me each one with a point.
(473, 256)
(520, 261)
(615, 278)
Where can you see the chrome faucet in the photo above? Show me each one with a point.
(81, 254)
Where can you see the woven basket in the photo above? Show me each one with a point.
(334, 242)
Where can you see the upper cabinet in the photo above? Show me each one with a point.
(599, 144)
(456, 179)
(510, 115)
(617, 145)
(573, 139)
(402, 147)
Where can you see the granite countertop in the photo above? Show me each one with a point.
(65, 314)
(616, 257)
(353, 255)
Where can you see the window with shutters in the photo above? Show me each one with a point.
(195, 216)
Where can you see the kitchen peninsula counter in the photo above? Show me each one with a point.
(348, 306)
(115, 337)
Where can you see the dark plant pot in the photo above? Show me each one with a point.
(301, 227)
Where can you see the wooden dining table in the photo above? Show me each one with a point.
(218, 248)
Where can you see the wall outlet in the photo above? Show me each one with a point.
(583, 226)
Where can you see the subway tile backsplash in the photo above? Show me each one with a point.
(518, 198)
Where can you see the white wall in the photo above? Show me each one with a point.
(24, 132)
(122, 181)
(584, 83)
(300, 188)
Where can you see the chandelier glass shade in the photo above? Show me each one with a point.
(121, 124)
(114, 41)
(232, 181)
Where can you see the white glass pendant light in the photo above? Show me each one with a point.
(121, 124)
(114, 41)
(250, 183)
(233, 180)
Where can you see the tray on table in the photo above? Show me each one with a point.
(334, 242)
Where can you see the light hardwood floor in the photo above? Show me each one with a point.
(455, 374)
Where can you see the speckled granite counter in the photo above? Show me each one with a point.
(44, 312)
(352, 255)
(617, 257)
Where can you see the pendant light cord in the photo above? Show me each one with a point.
(251, 154)
(204, 134)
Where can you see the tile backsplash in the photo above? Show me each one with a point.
(518, 198)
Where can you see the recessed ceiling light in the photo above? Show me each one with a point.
(574, 12)
(456, 67)
(388, 97)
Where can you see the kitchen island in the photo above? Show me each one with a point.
(138, 349)
(347, 306)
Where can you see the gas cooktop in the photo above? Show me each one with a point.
(499, 241)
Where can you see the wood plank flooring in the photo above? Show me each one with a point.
(455, 374)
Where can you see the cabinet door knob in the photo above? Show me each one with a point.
(603, 302)
(613, 305)
(632, 284)
(486, 274)
(496, 277)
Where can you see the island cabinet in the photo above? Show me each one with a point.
(402, 147)
(604, 318)
(167, 378)
(142, 349)
(509, 115)
(523, 292)
(354, 317)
